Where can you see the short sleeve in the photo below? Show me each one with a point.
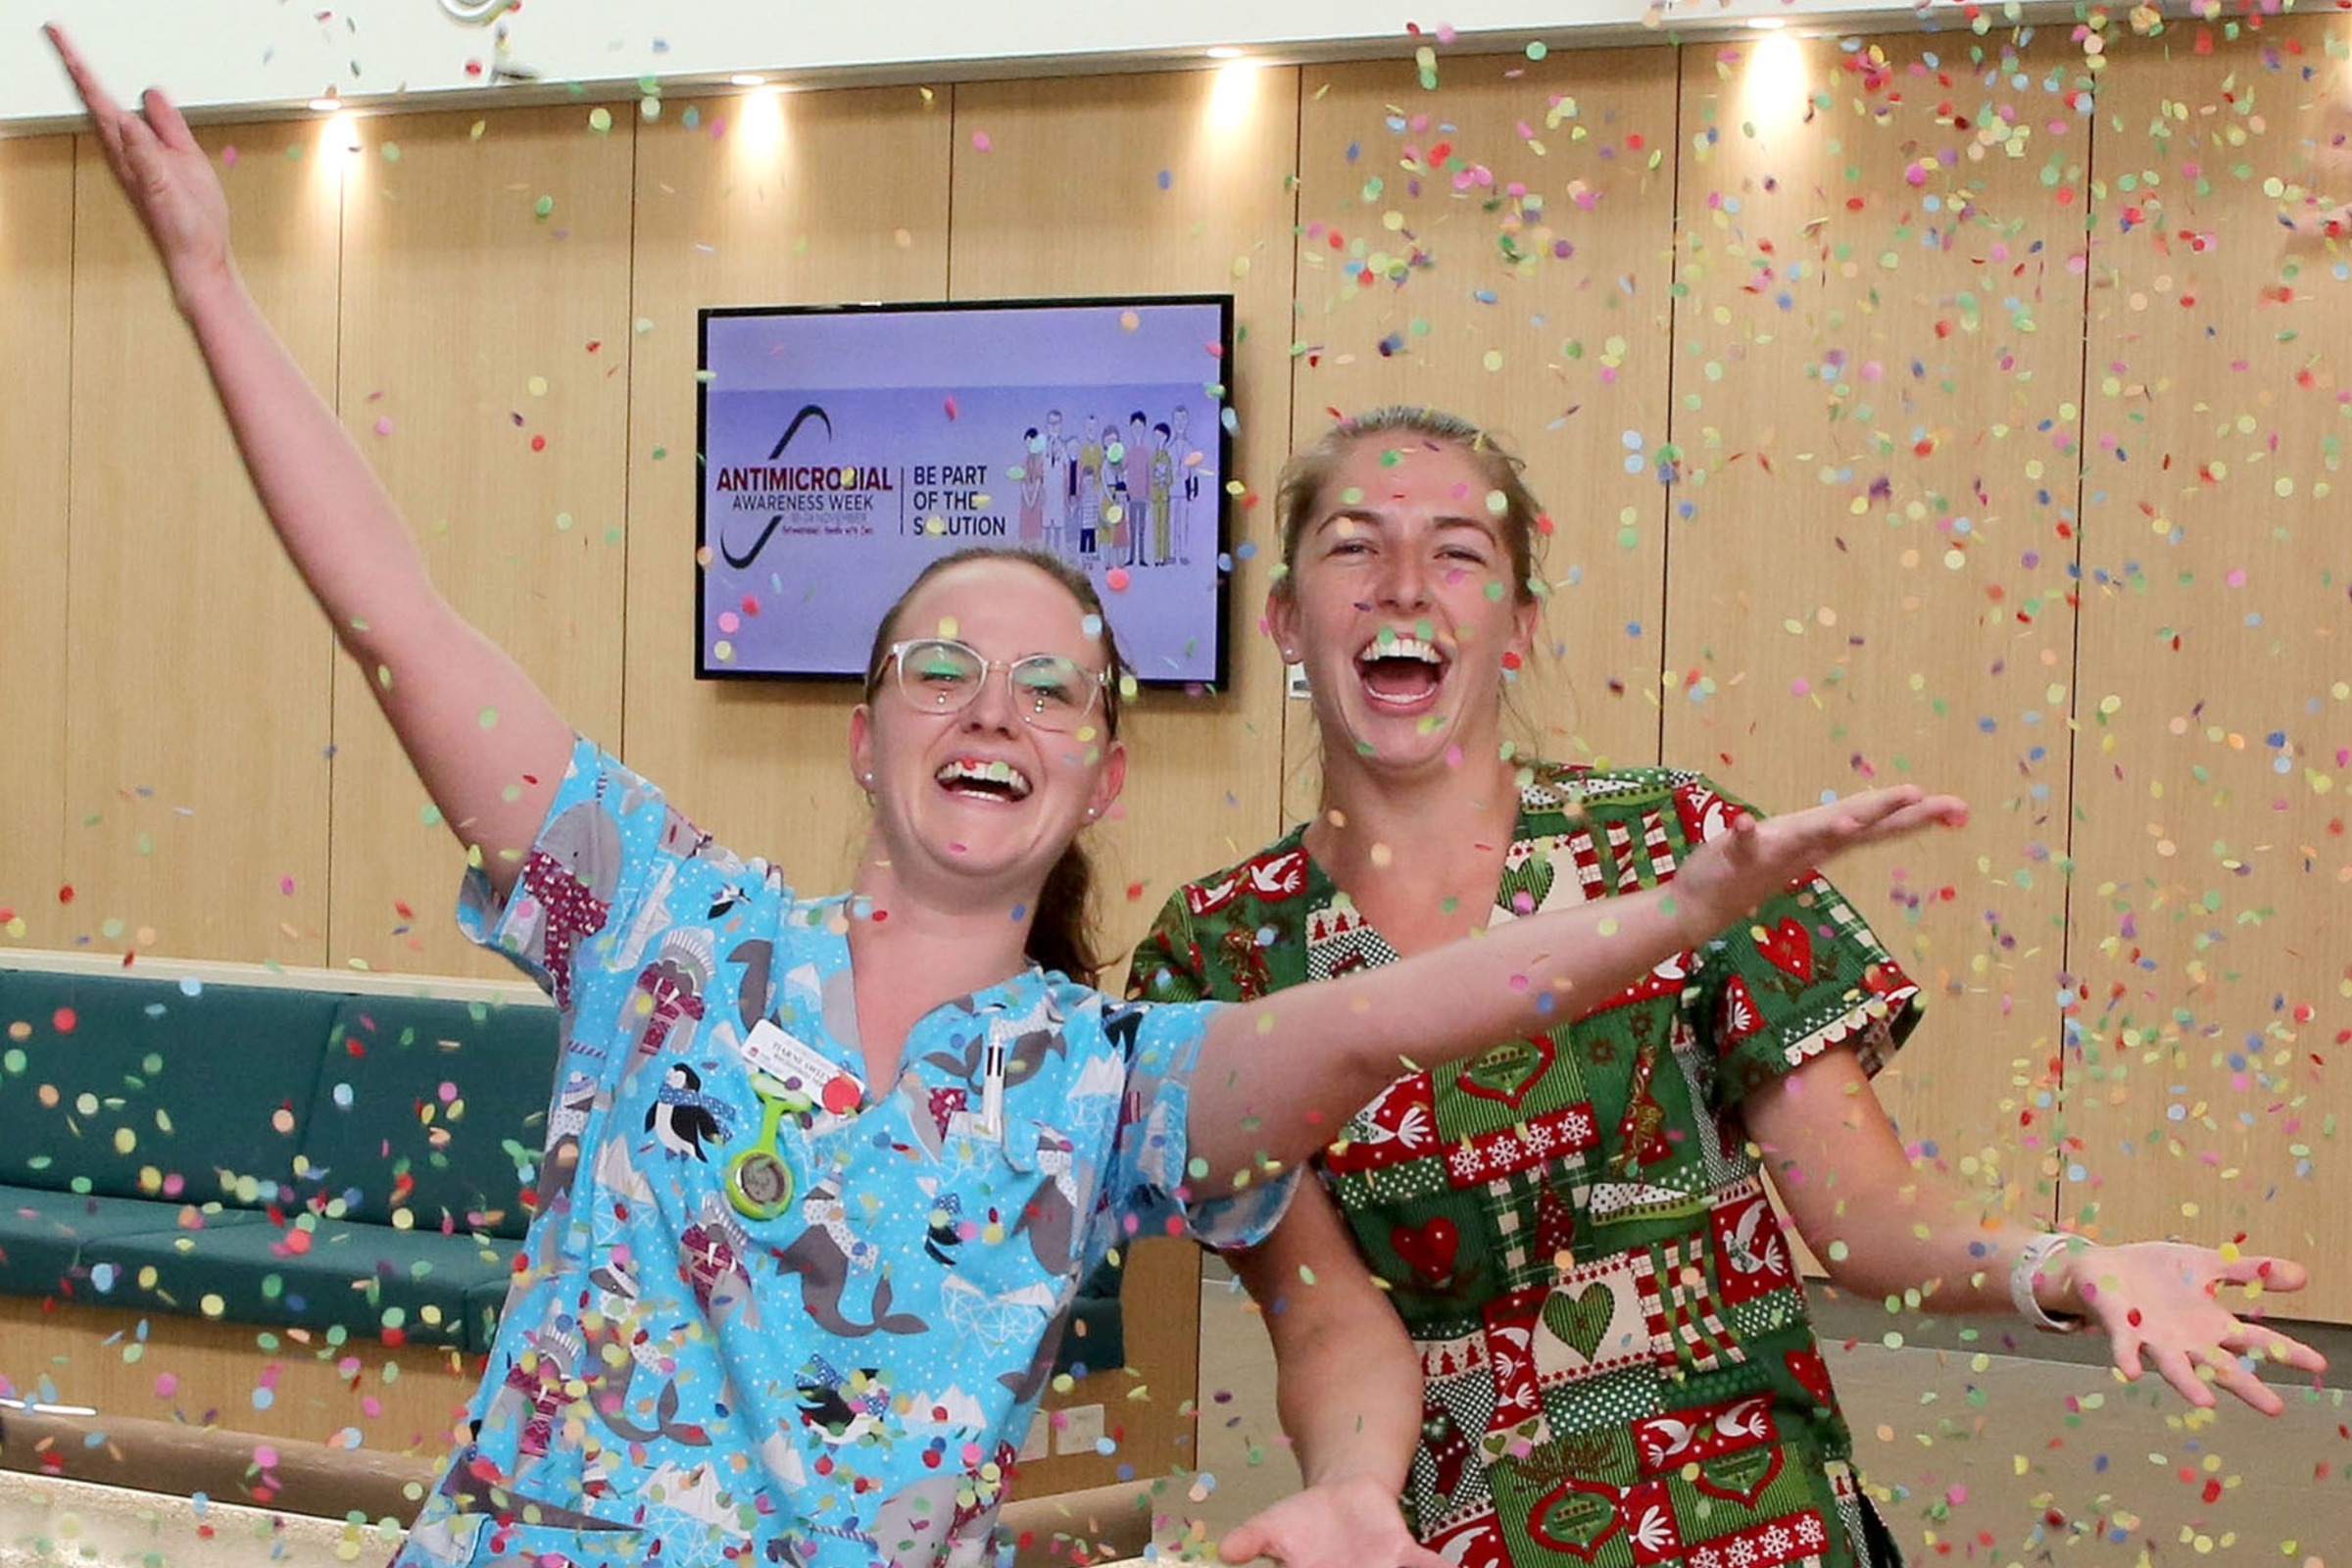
(583, 877)
(1166, 965)
(1146, 1177)
(1803, 973)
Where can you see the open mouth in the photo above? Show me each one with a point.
(1400, 671)
(975, 778)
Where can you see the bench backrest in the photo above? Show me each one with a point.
(105, 1077)
(434, 1108)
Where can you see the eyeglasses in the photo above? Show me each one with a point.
(940, 676)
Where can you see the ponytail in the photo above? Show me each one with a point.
(1061, 934)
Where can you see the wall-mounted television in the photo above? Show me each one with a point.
(845, 446)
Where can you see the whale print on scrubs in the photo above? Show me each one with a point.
(825, 1254)
(1050, 1216)
(576, 1104)
(751, 991)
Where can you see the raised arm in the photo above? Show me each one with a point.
(487, 744)
(1276, 1075)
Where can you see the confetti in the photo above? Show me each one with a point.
(1986, 450)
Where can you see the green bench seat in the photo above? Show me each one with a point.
(46, 1236)
(288, 1157)
(407, 1286)
(168, 1139)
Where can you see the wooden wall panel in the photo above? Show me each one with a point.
(747, 200)
(1874, 450)
(1877, 363)
(1167, 183)
(1501, 248)
(36, 258)
(486, 333)
(2210, 894)
(1174, 182)
(197, 778)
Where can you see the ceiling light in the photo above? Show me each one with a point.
(1224, 51)
(747, 78)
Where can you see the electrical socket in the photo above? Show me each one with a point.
(1077, 1429)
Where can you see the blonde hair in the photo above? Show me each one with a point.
(1298, 492)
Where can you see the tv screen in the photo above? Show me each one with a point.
(846, 447)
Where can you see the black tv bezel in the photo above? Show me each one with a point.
(1222, 625)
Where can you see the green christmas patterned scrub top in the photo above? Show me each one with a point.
(1618, 1363)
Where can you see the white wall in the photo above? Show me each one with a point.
(228, 55)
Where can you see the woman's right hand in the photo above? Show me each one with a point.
(166, 177)
(487, 744)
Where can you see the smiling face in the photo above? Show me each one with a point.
(1401, 602)
(979, 803)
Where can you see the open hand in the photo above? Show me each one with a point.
(1732, 873)
(2157, 1303)
(166, 177)
(1353, 1523)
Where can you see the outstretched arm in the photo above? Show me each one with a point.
(487, 744)
(1886, 1226)
(1276, 1075)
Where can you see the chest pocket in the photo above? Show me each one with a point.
(1043, 1192)
(875, 1215)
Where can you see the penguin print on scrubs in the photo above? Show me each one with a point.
(683, 1119)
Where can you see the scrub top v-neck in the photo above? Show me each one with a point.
(751, 1328)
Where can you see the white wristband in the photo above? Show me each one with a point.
(2026, 1270)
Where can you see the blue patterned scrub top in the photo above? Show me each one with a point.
(678, 1380)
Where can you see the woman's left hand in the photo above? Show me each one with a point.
(2156, 1302)
(1353, 1523)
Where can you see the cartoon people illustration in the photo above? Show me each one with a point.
(1088, 497)
(1163, 486)
(1033, 488)
(1135, 483)
(1061, 482)
(1185, 498)
(1113, 527)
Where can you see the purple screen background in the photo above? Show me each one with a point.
(927, 413)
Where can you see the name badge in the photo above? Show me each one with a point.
(801, 1068)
